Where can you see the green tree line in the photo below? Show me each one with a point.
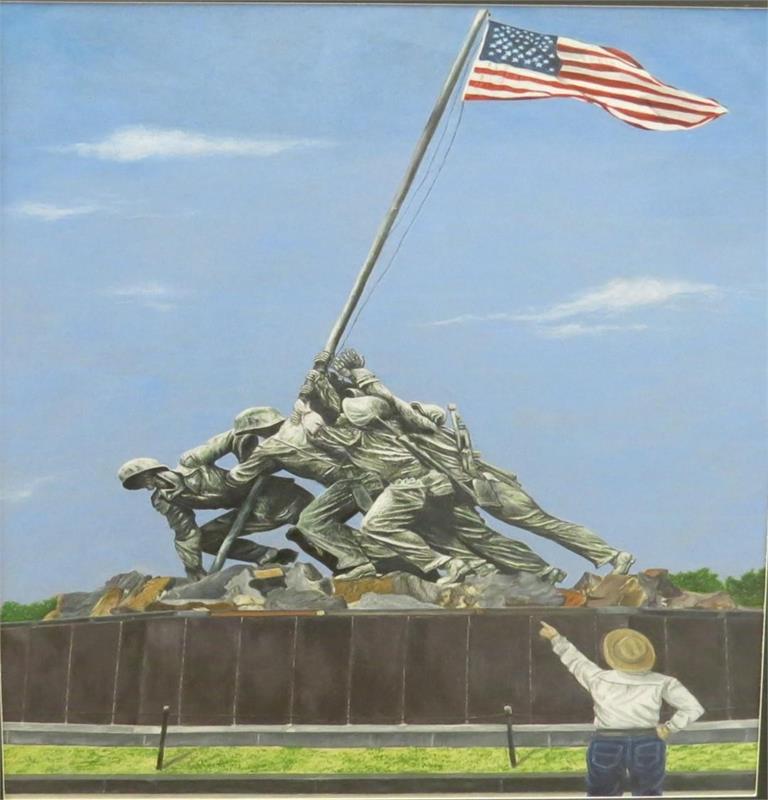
(748, 590)
(23, 612)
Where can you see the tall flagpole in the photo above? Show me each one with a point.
(373, 254)
(418, 154)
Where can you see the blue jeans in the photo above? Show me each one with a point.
(611, 759)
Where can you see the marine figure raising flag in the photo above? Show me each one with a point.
(515, 64)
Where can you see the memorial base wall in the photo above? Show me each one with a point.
(357, 668)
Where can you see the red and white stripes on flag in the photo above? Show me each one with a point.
(604, 76)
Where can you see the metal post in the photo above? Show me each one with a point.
(418, 155)
(510, 737)
(163, 734)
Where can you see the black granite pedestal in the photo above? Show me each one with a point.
(357, 668)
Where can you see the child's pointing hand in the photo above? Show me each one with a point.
(547, 631)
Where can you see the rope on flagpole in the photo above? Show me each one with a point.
(415, 216)
(380, 239)
(409, 203)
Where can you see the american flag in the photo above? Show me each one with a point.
(515, 64)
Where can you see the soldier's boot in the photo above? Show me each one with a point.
(366, 570)
(244, 550)
(455, 570)
(285, 556)
(486, 569)
(397, 564)
(328, 560)
(553, 575)
(622, 563)
(269, 557)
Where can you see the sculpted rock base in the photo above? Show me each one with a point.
(302, 587)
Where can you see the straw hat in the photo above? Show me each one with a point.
(628, 651)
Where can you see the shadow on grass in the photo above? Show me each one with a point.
(175, 759)
(521, 761)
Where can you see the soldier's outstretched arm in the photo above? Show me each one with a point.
(209, 452)
(320, 393)
(352, 363)
(261, 462)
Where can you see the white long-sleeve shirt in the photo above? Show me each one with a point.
(627, 700)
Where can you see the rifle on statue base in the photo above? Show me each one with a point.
(463, 442)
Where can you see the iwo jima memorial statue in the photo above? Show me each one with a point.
(452, 600)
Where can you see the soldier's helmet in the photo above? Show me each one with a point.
(131, 470)
(431, 411)
(361, 411)
(256, 419)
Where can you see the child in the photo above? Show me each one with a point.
(627, 701)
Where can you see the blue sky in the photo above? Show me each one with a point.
(189, 192)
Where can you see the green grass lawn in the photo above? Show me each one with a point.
(52, 760)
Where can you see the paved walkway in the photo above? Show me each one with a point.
(717, 732)
(440, 796)
(684, 784)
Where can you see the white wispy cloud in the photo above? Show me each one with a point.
(50, 212)
(24, 491)
(615, 298)
(463, 319)
(149, 295)
(138, 142)
(111, 206)
(161, 215)
(622, 295)
(572, 329)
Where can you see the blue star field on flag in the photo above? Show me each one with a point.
(520, 48)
